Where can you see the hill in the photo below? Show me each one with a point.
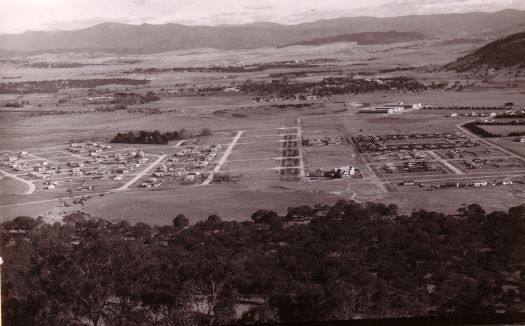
(147, 38)
(502, 53)
(367, 38)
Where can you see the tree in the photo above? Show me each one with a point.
(180, 221)
(206, 132)
(214, 220)
(268, 217)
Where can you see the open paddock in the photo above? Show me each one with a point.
(328, 157)
(503, 130)
(239, 166)
(510, 144)
(260, 150)
(353, 125)
(268, 138)
(11, 186)
(255, 178)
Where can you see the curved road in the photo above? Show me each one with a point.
(31, 185)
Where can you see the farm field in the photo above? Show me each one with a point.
(503, 130)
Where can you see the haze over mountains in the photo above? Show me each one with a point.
(148, 38)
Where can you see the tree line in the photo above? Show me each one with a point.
(332, 86)
(156, 137)
(53, 86)
(475, 128)
(339, 262)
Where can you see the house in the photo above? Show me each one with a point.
(315, 142)
(347, 171)
(480, 183)
(521, 139)
(189, 179)
(319, 173)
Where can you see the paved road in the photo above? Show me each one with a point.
(31, 186)
(447, 164)
(300, 143)
(223, 158)
(141, 174)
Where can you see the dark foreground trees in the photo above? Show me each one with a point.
(345, 261)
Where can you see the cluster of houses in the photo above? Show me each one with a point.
(123, 161)
(91, 148)
(477, 183)
(390, 108)
(135, 76)
(410, 167)
(99, 99)
(326, 141)
(483, 162)
(289, 98)
(14, 161)
(91, 160)
(185, 165)
(436, 141)
(401, 155)
(43, 169)
(335, 173)
(473, 114)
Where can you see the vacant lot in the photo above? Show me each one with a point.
(503, 130)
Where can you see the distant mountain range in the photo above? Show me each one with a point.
(502, 53)
(367, 38)
(148, 38)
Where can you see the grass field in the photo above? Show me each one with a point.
(503, 130)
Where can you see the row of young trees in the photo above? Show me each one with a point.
(339, 262)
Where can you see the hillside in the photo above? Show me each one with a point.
(147, 38)
(368, 38)
(502, 53)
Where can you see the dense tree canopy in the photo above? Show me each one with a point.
(345, 261)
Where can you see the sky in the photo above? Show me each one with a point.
(18, 16)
